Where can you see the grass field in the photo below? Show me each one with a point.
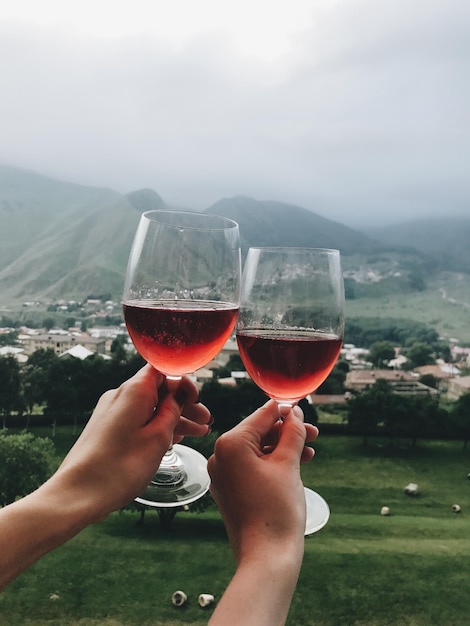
(409, 569)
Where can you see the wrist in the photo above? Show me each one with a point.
(284, 554)
(262, 588)
(75, 503)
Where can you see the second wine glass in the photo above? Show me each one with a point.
(290, 330)
(180, 302)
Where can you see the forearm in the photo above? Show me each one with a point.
(260, 592)
(38, 523)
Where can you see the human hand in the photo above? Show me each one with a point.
(255, 473)
(125, 439)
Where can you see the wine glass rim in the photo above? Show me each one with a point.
(225, 222)
(294, 249)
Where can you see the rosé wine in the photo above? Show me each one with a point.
(288, 365)
(179, 337)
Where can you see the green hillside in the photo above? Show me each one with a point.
(61, 240)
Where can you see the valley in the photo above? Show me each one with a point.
(61, 241)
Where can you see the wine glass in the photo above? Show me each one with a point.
(180, 302)
(290, 330)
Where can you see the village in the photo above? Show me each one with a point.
(451, 378)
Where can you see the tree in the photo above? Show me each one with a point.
(420, 353)
(371, 408)
(118, 348)
(9, 338)
(48, 323)
(460, 416)
(229, 405)
(425, 417)
(381, 352)
(10, 398)
(420, 417)
(429, 380)
(334, 384)
(61, 389)
(36, 377)
(27, 461)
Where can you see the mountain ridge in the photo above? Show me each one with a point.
(63, 240)
(445, 239)
(273, 223)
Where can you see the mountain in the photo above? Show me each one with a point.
(270, 223)
(62, 240)
(444, 240)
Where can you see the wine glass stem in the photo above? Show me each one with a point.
(285, 406)
(171, 472)
(170, 457)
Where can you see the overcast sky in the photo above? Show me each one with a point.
(356, 109)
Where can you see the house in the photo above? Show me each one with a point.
(79, 352)
(458, 387)
(440, 371)
(363, 379)
(400, 382)
(14, 351)
(62, 342)
(460, 354)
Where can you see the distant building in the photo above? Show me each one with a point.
(60, 343)
(77, 352)
(458, 387)
(356, 357)
(363, 379)
(440, 371)
(107, 332)
(460, 355)
(14, 351)
(399, 381)
(317, 399)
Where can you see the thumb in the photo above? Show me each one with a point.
(292, 437)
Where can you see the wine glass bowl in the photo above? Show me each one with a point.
(290, 329)
(180, 303)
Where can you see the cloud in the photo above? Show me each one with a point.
(361, 112)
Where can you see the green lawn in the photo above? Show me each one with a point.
(362, 569)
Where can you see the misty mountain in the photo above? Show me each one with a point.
(270, 223)
(63, 240)
(444, 240)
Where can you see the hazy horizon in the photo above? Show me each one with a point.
(353, 109)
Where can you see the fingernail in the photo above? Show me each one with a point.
(298, 411)
(209, 430)
(211, 421)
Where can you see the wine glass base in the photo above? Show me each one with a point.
(318, 512)
(194, 486)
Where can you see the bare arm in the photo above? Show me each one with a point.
(111, 463)
(256, 483)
